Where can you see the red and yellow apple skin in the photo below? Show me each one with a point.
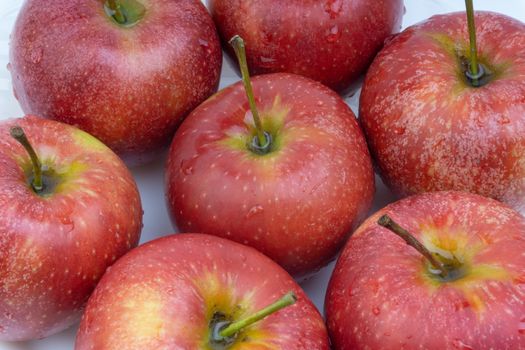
(55, 247)
(128, 86)
(382, 295)
(428, 130)
(329, 41)
(164, 294)
(296, 204)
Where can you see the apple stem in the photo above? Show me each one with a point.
(474, 72)
(233, 328)
(263, 141)
(387, 222)
(18, 134)
(114, 5)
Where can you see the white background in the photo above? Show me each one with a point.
(150, 177)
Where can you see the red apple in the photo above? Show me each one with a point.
(297, 200)
(330, 41)
(384, 295)
(128, 84)
(56, 240)
(175, 292)
(429, 129)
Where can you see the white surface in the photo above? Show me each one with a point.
(151, 178)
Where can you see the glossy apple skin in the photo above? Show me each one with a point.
(54, 249)
(299, 203)
(329, 41)
(163, 295)
(381, 296)
(129, 87)
(429, 131)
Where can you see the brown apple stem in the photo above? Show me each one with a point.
(387, 222)
(18, 134)
(240, 51)
(474, 71)
(114, 5)
(233, 328)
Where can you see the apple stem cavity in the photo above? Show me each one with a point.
(387, 222)
(125, 12)
(18, 134)
(475, 71)
(262, 142)
(230, 330)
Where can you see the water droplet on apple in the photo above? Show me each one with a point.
(502, 120)
(374, 286)
(68, 225)
(389, 39)
(376, 310)
(480, 122)
(268, 35)
(254, 211)
(521, 326)
(519, 280)
(461, 304)
(205, 45)
(211, 136)
(344, 178)
(186, 167)
(399, 130)
(458, 344)
(36, 55)
(333, 8)
(267, 62)
(333, 34)
(171, 291)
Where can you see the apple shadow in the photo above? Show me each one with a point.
(150, 180)
(62, 340)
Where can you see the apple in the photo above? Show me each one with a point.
(383, 294)
(126, 71)
(330, 41)
(298, 197)
(186, 291)
(431, 128)
(68, 209)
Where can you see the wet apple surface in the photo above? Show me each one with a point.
(429, 129)
(150, 178)
(57, 241)
(129, 84)
(385, 295)
(170, 293)
(298, 202)
(331, 41)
